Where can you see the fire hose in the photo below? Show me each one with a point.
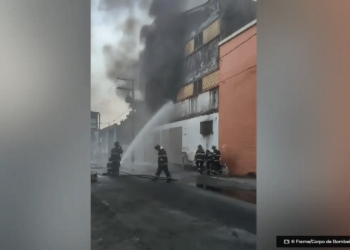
(146, 176)
(139, 176)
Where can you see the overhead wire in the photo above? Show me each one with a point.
(230, 51)
(106, 101)
(223, 81)
(106, 97)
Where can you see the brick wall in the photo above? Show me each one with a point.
(237, 106)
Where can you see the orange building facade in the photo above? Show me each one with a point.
(237, 105)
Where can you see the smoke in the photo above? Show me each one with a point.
(158, 68)
(115, 53)
(122, 58)
(163, 54)
(144, 42)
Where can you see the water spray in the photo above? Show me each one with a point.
(162, 113)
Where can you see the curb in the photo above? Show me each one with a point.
(225, 183)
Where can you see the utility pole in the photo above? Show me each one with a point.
(133, 109)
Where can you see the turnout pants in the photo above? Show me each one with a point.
(216, 167)
(209, 166)
(200, 165)
(162, 168)
(115, 167)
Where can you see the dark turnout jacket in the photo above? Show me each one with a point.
(209, 155)
(116, 153)
(200, 155)
(216, 155)
(162, 157)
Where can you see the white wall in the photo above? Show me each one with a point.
(104, 144)
(191, 136)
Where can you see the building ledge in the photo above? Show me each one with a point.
(194, 115)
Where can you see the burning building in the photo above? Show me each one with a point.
(195, 118)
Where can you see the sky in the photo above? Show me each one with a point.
(107, 29)
(104, 31)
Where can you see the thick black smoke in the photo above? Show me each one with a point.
(158, 69)
(163, 55)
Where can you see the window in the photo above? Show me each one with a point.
(206, 128)
(197, 87)
(198, 40)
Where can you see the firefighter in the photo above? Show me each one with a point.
(200, 157)
(216, 160)
(209, 158)
(162, 163)
(115, 158)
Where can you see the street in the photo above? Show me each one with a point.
(136, 213)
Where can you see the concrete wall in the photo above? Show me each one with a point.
(94, 120)
(103, 144)
(237, 107)
(201, 103)
(107, 137)
(94, 144)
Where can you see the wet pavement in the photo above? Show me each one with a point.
(137, 213)
(239, 188)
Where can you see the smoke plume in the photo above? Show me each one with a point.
(163, 54)
(149, 49)
(122, 58)
(115, 50)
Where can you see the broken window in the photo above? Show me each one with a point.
(206, 128)
(197, 87)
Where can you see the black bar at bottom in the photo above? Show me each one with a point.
(313, 241)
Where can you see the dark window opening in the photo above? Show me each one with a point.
(197, 87)
(206, 128)
(198, 40)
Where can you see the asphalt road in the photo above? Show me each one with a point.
(135, 213)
